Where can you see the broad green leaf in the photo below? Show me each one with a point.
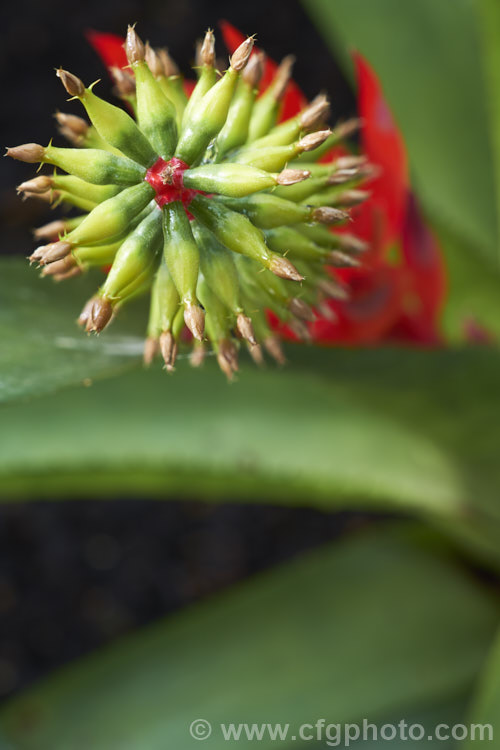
(427, 54)
(486, 705)
(375, 626)
(412, 430)
(42, 348)
(490, 27)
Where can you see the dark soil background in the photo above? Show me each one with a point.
(74, 576)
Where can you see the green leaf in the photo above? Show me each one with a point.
(411, 430)
(42, 347)
(486, 705)
(428, 56)
(375, 626)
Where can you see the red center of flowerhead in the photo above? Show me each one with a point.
(167, 179)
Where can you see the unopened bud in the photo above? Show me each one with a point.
(348, 128)
(168, 348)
(170, 67)
(153, 61)
(292, 176)
(50, 230)
(239, 58)
(75, 271)
(227, 357)
(254, 69)
(350, 162)
(351, 244)
(282, 77)
(301, 309)
(134, 47)
(197, 355)
(273, 346)
(59, 266)
(100, 313)
(48, 196)
(55, 251)
(206, 55)
(151, 347)
(283, 268)
(194, 318)
(124, 82)
(327, 215)
(353, 197)
(37, 185)
(315, 113)
(28, 152)
(333, 289)
(77, 125)
(342, 260)
(301, 330)
(73, 85)
(343, 175)
(245, 328)
(85, 313)
(313, 140)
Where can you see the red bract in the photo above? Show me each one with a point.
(109, 47)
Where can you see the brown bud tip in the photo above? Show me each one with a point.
(351, 244)
(59, 266)
(170, 68)
(73, 85)
(50, 231)
(168, 348)
(197, 355)
(282, 77)
(256, 354)
(48, 196)
(151, 346)
(240, 56)
(245, 328)
(227, 357)
(333, 289)
(343, 175)
(54, 252)
(206, 55)
(273, 346)
(291, 176)
(315, 113)
(327, 215)
(124, 82)
(85, 313)
(153, 61)
(37, 254)
(100, 313)
(327, 312)
(301, 309)
(342, 260)
(350, 162)
(301, 330)
(313, 140)
(37, 185)
(28, 152)
(282, 267)
(77, 125)
(134, 47)
(194, 318)
(348, 128)
(75, 271)
(353, 197)
(254, 69)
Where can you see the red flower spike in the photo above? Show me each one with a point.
(384, 146)
(109, 47)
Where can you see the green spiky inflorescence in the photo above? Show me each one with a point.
(205, 202)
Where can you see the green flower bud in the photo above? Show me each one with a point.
(266, 109)
(95, 166)
(289, 240)
(235, 131)
(233, 180)
(267, 210)
(113, 216)
(135, 259)
(81, 188)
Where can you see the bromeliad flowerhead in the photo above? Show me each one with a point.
(208, 203)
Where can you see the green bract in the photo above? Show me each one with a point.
(207, 203)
